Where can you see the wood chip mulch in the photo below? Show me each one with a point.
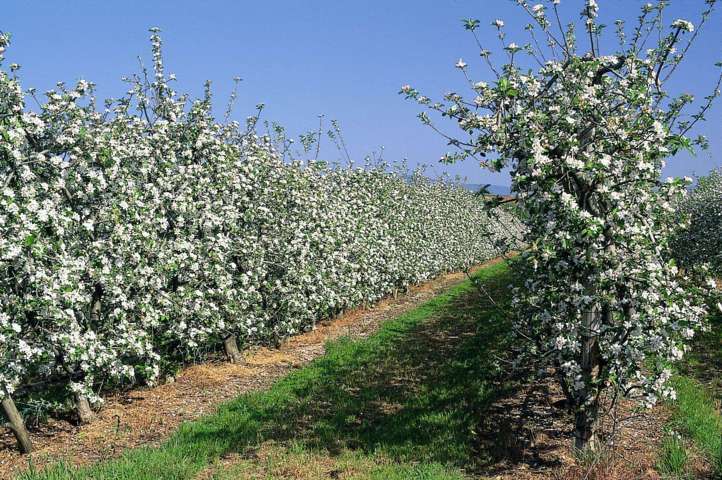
(529, 437)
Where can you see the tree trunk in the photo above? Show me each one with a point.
(587, 407)
(95, 304)
(585, 428)
(231, 345)
(83, 410)
(17, 425)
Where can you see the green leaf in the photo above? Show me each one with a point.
(679, 142)
(471, 24)
(505, 88)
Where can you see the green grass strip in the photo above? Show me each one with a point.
(342, 399)
(698, 417)
(696, 411)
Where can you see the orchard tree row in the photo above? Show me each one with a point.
(702, 209)
(144, 233)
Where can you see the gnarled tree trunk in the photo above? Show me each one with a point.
(587, 407)
(231, 346)
(17, 425)
(585, 426)
(82, 409)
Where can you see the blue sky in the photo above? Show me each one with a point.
(343, 59)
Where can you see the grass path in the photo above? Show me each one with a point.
(149, 416)
(397, 405)
(696, 412)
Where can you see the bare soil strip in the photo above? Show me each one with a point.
(148, 416)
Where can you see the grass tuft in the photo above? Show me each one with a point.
(673, 459)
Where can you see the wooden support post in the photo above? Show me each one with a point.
(17, 425)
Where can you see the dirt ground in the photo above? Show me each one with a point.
(533, 437)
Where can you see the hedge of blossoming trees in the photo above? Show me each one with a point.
(702, 241)
(145, 232)
(585, 136)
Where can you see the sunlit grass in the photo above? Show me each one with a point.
(696, 411)
(673, 458)
(398, 405)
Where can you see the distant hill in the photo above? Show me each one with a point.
(496, 189)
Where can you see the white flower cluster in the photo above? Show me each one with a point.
(602, 300)
(701, 242)
(149, 231)
(683, 25)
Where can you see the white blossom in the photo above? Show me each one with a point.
(185, 230)
(682, 24)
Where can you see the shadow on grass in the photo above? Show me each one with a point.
(696, 411)
(420, 391)
(414, 392)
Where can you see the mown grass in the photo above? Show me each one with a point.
(398, 405)
(296, 461)
(696, 411)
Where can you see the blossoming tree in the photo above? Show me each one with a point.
(702, 241)
(144, 233)
(585, 136)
